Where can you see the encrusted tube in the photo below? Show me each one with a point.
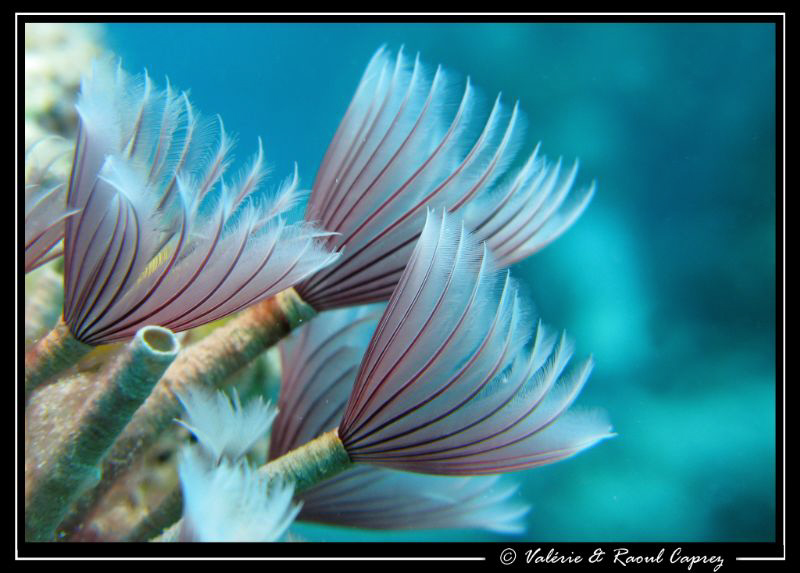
(314, 462)
(54, 353)
(83, 440)
(209, 363)
(155, 523)
(318, 460)
(44, 301)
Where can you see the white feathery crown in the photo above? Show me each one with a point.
(224, 498)
(231, 502)
(222, 425)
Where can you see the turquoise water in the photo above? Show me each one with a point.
(668, 279)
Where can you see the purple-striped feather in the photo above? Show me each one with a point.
(447, 385)
(320, 362)
(45, 211)
(162, 238)
(405, 146)
(378, 498)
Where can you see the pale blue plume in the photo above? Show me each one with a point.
(408, 143)
(222, 425)
(379, 498)
(231, 502)
(448, 386)
(529, 211)
(162, 237)
(320, 363)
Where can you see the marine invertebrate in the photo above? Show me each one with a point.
(191, 265)
(395, 154)
(368, 497)
(160, 237)
(494, 406)
(321, 361)
(225, 428)
(45, 211)
(446, 386)
(222, 498)
(231, 502)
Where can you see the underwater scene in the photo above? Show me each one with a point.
(625, 176)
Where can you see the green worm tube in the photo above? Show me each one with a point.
(51, 355)
(313, 462)
(83, 440)
(209, 363)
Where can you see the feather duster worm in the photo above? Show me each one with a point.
(159, 236)
(221, 497)
(45, 213)
(396, 153)
(447, 385)
(320, 365)
(225, 428)
(230, 502)
(224, 499)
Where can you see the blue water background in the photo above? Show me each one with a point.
(668, 279)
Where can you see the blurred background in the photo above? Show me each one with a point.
(668, 279)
